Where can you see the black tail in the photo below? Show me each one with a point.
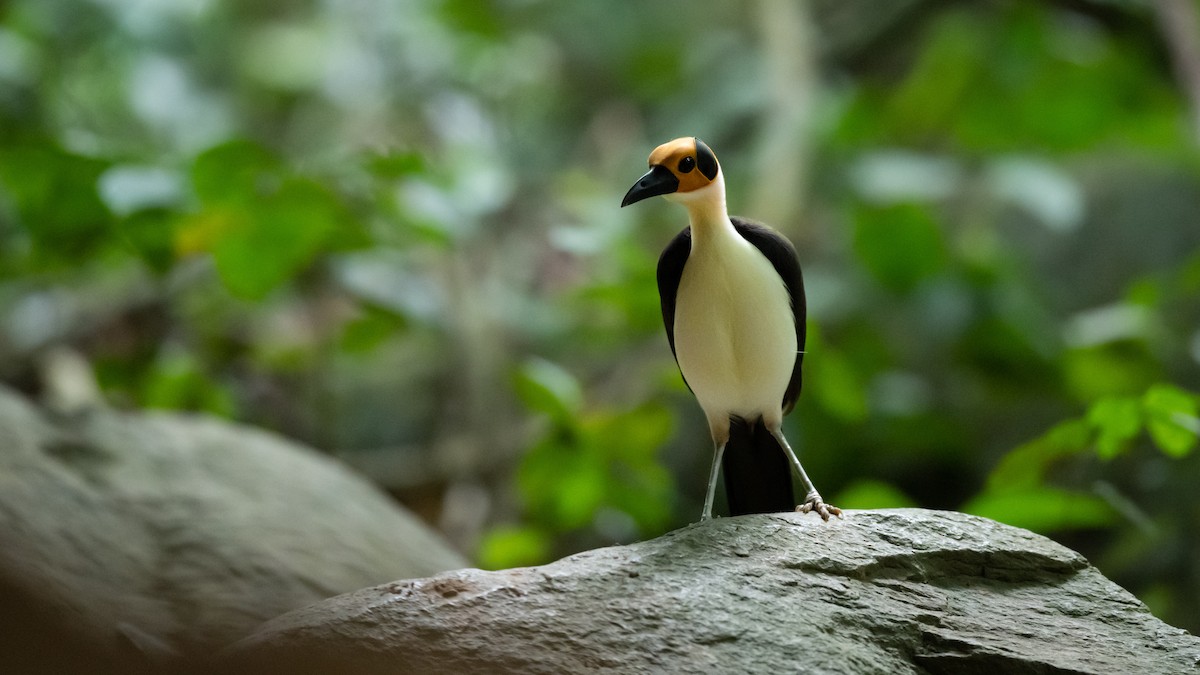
(758, 478)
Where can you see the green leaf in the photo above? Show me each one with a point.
(636, 435)
(647, 495)
(580, 489)
(1171, 417)
(276, 236)
(900, 245)
(1042, 508)
(236, 172)
(150, 233)
(1117, 420)
(872, 494)
(176, 382)
(392, 165)
(262, 224)
(537, 477)
(931, 96)
(465, 16)
(834, 382)
(56, 196)
(1113, 369)
(562, 481)
(636, 481)
(1025, 466)
(513, 546)
(546, 387)
(373, 328)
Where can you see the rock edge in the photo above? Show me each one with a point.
(888, 591)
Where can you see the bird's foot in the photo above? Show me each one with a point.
(813, 502)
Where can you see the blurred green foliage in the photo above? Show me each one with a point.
(391, 230)
(1019, 492)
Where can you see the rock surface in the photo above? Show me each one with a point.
(895, 591)
(143, 542)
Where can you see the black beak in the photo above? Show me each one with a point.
(658, 181)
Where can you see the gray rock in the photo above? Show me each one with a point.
(895, 591)
(147, 541)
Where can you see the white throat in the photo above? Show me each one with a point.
(707, 212)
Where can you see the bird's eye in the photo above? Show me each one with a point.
(687, 164)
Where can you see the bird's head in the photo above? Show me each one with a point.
(677, 168)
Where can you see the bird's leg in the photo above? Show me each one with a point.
(812, 498)
(712, 481)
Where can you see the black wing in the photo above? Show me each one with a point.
(783, 258)
(670, 271)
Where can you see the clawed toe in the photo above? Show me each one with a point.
(815, 503)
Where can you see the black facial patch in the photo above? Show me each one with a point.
(706, 160)
(687, 164)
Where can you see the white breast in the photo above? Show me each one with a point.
(735, 337)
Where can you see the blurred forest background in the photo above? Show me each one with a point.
(390, 229)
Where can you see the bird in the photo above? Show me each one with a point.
(734, 310)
